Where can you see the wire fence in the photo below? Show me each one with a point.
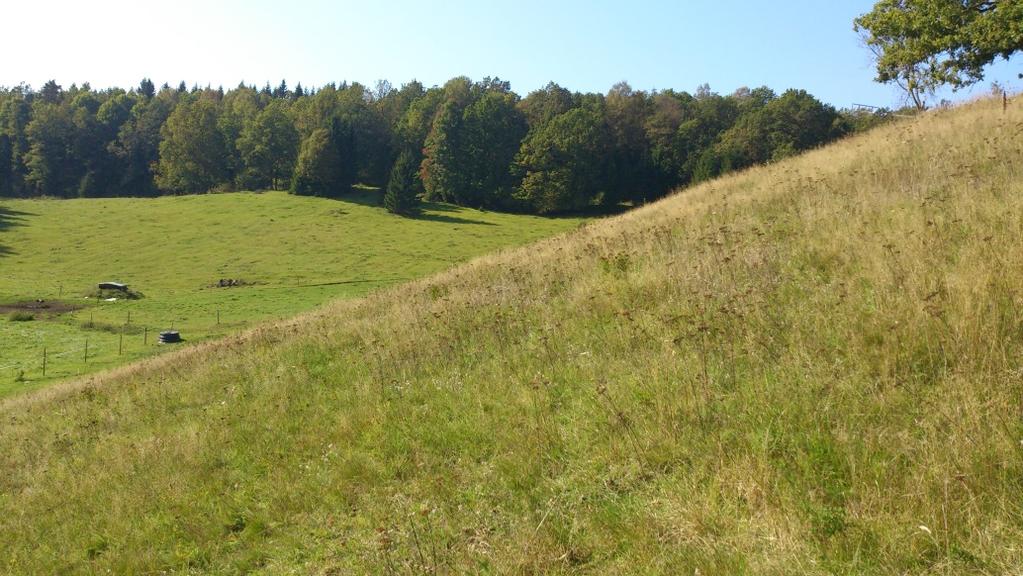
(101, 345)
(48, 360)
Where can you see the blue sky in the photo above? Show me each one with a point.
(582, 45)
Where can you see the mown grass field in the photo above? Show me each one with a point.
(814, 367)
(294, 252)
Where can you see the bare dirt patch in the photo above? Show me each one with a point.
(231, 283)
(38, 308)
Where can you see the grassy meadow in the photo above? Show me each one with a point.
(291, 254)
(814, 367)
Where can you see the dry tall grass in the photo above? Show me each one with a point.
(812, 367)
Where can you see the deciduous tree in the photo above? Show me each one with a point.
(564, 163)
(922, 44)
(321, 169)
(48, 160)
(269, 147)
(193, 154)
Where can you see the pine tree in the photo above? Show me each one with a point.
(51, 92)
(146, 88)
(282, 90)
(402, 189)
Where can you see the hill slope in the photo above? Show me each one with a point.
(812, 367)
(290, 253)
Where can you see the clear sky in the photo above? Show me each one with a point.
(584, 45)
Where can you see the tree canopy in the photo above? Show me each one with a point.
(319, 169)
(269, 147)
(193, 153)
(921, 45)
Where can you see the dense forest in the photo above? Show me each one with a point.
(470, 143)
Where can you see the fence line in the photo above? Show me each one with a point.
(125, 346)
(94, 348)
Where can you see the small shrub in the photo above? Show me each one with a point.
(21, 317)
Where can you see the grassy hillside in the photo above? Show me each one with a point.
(291, 254)
(812, 368)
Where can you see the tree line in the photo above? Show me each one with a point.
(472, 143)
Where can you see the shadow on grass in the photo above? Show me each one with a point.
(365, 195)
(361, 195)
(9, 219)
(374, 198)
(427, 215)
(438, 207)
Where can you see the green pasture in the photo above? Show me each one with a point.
(290, 253)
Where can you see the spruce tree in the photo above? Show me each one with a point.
(402, 195)
(282, 90)
(146, 88)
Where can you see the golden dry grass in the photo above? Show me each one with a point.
(811, 367)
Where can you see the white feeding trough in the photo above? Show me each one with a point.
(113, 286)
